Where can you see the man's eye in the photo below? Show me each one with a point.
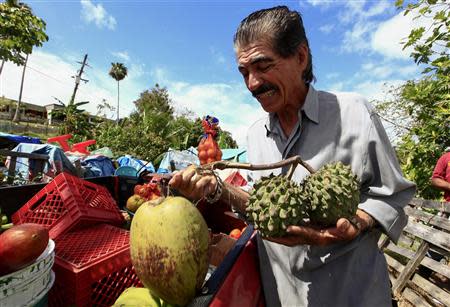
(265, 68)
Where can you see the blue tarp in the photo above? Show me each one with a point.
(97, 166)
(10, 140)
(179, 159)
(139, 165)
(57, 162)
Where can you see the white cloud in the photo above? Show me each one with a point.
(230, 103)
(97, 14)
(326, 28)
(332, 75)
(49, 76)
(387, 37)
(123, 55)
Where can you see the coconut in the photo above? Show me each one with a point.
(169, 249)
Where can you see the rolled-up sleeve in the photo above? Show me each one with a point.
(384, 190)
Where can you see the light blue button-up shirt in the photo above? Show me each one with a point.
(333, 127)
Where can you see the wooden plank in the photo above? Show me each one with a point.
(428, 218)
(441, 206)
(406, 240)
(410, 268)
(429, 234)
(383, 242)
(393, 263)
(428, 262)
(414, 298)
(432, 289)
(10, 153)
(11, 170)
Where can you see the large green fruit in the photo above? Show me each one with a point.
(276, 203)
(333, 192)
(169, 249)
(133, 297)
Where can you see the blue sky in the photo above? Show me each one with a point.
(186, 46)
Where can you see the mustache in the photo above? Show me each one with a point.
(263, 88)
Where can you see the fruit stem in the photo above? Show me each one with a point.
(293, 161)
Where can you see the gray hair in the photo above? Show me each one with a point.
(281, 27)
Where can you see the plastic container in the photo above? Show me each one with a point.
(69, 202)
(24, 287)
(126, 171)
(92, 266)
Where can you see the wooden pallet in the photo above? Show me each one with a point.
(427, 229)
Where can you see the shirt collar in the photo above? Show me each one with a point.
(310, 108)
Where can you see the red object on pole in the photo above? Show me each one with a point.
(62, 140)
(82, 146)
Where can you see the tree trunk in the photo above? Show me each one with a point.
(117, 121)
(1, 67)
(17, 114)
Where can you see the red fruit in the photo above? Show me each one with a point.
(137, 188)
(21, 245)
(235, 233)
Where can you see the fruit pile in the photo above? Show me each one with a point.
(208, 149)
(20, 246)
(321, 199)
(150, 192)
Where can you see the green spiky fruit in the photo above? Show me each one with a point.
(333, 192)
(276, 203)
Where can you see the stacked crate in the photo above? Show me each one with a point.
(92, 262)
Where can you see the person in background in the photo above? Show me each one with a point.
(441, 174)
(336, 266)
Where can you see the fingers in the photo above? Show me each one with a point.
(193, 185)
(344, 230)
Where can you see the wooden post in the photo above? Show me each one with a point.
(409, 269)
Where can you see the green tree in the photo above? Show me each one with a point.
(73, 121)
(20, 31)
(424, 102)
(118, 72)
(153, 128)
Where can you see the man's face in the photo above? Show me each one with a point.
(274, 81)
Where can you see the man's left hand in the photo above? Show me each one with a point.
(344, 231)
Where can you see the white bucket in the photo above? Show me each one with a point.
(21, 288)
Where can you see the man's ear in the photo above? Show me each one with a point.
(302, 56)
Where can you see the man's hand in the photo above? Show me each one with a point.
(344, 231)
(192, 184)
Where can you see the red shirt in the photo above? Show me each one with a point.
(442, 171)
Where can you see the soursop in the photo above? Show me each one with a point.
(276, 203)
(333, 192)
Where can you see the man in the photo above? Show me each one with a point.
(441, 174)
(338, 266)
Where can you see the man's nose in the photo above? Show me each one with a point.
(254, 81)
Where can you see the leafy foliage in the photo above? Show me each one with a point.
(20, 31)
(73, 121)
(154, 128)
(420, 109)
(118, 71)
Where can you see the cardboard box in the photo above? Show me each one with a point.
(220, 245)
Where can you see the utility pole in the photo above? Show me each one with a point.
(78, 78)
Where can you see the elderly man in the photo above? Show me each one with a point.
(337, 266)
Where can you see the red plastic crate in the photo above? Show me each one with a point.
(236, 179)
(68, 202)
(92, 266)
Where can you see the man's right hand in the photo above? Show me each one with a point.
(192, 184)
